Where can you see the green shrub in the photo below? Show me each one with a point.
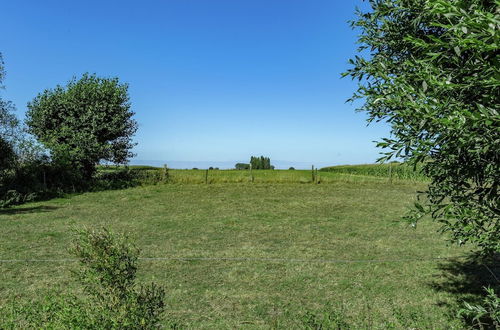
(108, 272)
(242, 166)
(113, 300)
(486, 315)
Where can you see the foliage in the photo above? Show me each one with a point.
(127, 177)
(261, 163)
(430, 69)
(7, 156)
(291, 168)
(242, 166)
(486, 315)
(8, 126)
(108, 274)
(19, 156)
(85, 122)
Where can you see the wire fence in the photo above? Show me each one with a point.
(250, 259)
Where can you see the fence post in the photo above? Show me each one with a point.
(206, 176)
(312, 173)
(165, 173)
(251, 172)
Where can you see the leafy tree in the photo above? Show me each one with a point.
(242, 166)
(85, 122)
(261, 163)
(431, 70)
(8, 126)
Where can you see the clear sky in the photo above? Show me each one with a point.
(210, 80)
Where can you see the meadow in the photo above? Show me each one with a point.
(347, 173)
(254, 255)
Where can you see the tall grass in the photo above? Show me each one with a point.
(399, 171)
(154, 176)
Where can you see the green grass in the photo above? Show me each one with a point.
(281, 229)
(397, 171)
(260, 176)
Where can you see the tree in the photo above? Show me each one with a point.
(431, 70)
(242, 166)
(8, 127)
(261, 163)
(85, 122)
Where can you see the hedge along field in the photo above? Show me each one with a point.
(260, 255)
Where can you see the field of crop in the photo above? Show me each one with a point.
(262, 255)
(396, 171)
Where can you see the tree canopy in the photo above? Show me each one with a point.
(8, 126)
(242, 166)
(261, 163)
(431, 70)
(87, 121)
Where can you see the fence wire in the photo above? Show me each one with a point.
(250, 259)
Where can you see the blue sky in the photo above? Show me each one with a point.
(211, 81)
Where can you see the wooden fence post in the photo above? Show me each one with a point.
(165, 173)
(206, 176)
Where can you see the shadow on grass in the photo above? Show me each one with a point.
(466, 278)
(26, 210)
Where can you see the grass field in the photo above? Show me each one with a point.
(350, 173)
(271, 255)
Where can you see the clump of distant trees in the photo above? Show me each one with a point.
(261, 163)
(242, 166)
(68, 131)
(256, 163)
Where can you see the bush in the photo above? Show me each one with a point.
(430, 69)
(242, 166)
(484, 316)
(108, 267)
(108, 273)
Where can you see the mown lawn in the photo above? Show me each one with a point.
(276, 254)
